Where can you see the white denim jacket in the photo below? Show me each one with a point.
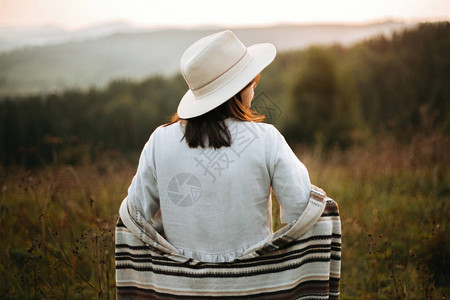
(213, 204)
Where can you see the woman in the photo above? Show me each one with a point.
(201, 193)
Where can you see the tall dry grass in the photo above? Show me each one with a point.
(57, 228)
(57, 223)
(394, 205)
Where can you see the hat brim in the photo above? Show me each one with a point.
(262, 55)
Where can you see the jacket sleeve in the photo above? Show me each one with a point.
(143, 191)
(289, 179)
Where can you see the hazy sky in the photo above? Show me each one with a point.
(74, 14)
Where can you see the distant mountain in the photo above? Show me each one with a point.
(13, 38)
(96, 55)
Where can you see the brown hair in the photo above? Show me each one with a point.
(212, 125)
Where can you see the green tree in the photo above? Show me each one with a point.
(324, 104)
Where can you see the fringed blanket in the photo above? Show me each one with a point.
(299, 261)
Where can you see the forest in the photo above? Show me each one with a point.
(333, 96)
(370, 121)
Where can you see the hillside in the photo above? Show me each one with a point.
(135, 55)
(396, 87)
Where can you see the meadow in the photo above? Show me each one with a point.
(370, 122)
(57, 222)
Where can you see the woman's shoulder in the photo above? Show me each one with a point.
(167, 128)
(245, 131)
(266, 130)
(251, 124)
(237, 128)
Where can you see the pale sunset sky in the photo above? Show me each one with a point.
(78, 14)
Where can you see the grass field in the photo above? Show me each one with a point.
(57, 223)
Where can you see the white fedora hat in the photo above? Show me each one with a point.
(216, 68)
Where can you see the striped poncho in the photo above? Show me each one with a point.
(299, 261)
